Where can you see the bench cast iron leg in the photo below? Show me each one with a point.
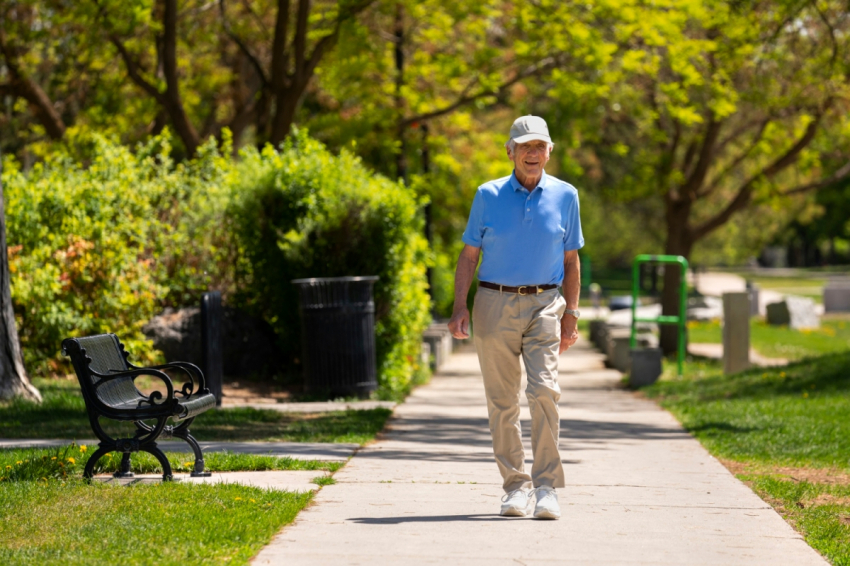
(98, 454)
(182, 432)
(152, 448)
(124, 471)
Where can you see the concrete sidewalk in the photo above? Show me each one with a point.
(640, 490)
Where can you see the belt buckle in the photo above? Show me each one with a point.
(520, 290)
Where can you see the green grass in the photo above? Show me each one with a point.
(768, 419)
(73, 522)
(63, 415)
(323, 480)
(35, 463)
(819, 510)
(802, 286)
(781, 341)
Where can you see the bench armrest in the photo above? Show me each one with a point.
(134, 373)
(196, 376)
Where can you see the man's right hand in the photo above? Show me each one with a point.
(459, 323)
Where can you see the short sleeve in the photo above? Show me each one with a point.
(474, 233)
(573, 238)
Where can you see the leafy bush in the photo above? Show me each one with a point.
(303, 212)
(101, 238)
(102, 247)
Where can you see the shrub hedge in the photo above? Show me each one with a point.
(304, 212)
(101, 238)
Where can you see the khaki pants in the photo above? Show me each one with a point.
(507, 325)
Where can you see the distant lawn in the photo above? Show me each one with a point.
(785, 431)
(802, 286)
(781, 341)
(54, 522)
(63, 415)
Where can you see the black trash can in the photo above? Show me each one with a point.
(338, 335)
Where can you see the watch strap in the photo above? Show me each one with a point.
(572, 312)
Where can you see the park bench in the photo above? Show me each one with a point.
(107, 381)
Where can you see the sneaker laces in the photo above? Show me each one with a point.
(540, 492)
(508, 495)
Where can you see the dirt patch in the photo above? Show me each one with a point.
(830, 476)
(254, 392)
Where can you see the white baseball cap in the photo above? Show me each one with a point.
(527, 128)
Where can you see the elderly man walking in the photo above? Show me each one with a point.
(527, 226)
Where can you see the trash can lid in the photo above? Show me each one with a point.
(349, 279)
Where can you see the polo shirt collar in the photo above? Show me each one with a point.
(518, 186)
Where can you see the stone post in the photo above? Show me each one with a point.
(736, 332)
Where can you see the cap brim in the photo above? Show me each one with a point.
(531, 137)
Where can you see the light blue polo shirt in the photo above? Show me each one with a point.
(523, 236)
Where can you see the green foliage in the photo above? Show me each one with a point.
(77, 523)
(303, 212)
(818, 510)
(101, 238)
(324, 480)
(790, 415)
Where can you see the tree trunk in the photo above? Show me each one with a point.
(13, 376)
(678, 243)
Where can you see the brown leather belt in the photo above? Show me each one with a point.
(521, 290)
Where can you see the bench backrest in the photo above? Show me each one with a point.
(107, 356)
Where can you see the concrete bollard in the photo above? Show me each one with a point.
(836, 297)
(754, 300)
(736, 332)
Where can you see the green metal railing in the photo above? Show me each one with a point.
(680, 319)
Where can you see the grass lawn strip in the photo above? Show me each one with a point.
(784, 431)
(54, 522)
(63, 415)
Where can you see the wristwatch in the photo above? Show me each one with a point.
(572, 312)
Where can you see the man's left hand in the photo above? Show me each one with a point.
(569, 333)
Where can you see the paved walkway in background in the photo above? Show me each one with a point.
(640, 489)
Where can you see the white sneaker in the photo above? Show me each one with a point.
(516, 503)
(547, 503)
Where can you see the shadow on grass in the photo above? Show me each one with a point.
(824, 374)
(62, 414)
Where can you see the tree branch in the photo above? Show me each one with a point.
(279, 78)
(22, 85)
(258, 67)
(735, 162)
(300, 40)
(464, 98)
(133, 70)
(841, 175)
(744, 194)
(706, 155)
(174, 105)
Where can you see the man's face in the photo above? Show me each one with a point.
(530, 158)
